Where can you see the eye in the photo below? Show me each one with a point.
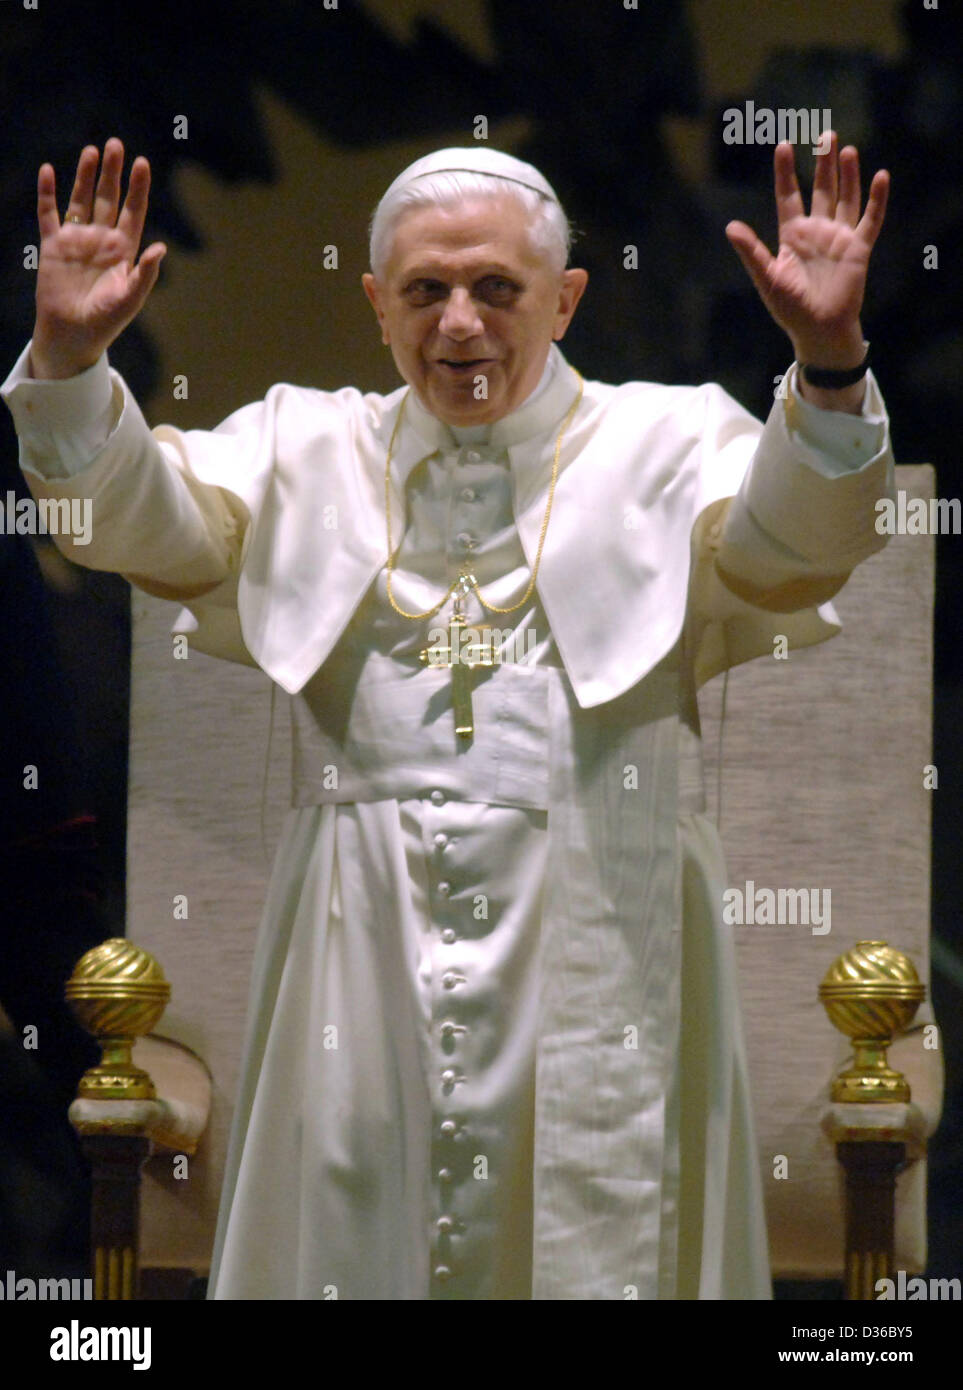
(497, 289)
(420, 292)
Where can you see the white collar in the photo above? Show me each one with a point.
(481, 434)
(543, 408)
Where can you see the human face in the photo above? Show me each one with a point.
(469, 307)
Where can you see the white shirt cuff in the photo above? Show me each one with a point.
(62, 425)
(839, 442)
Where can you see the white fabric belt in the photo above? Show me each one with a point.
(399, 739)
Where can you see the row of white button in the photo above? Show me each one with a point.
(446, 1224)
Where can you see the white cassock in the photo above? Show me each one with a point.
(539, 1087)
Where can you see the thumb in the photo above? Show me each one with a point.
(143, 277)
(753, 253)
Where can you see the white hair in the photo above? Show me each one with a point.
(549, 227)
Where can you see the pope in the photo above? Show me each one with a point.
(493, 1047)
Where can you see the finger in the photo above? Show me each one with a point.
(847, 209)
(144, 275)
(82, 193)
(753, 253)
(108, 185)
(48, 219)
(789, 201)
(152, 255)
(134, 212)
(825, 180)
(872, 219)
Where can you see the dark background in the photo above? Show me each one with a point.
(298, 117)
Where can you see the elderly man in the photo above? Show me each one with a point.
(493, 1047)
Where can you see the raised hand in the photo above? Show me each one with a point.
(813, 287)
(90, 283)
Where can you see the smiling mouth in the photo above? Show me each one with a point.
(462, 366)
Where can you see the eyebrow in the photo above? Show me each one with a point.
(436, 274)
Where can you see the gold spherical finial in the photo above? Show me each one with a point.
(117, 992)
(870, 993)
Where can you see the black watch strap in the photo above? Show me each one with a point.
(830, 380)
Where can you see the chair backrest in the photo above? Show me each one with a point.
(824, 756)
(197, 875)
(824, 759)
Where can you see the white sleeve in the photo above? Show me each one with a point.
(806, 509)
(835, 441)
(62, 425)
(150, 516)
(768, 557)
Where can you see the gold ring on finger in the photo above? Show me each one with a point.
(72, 217)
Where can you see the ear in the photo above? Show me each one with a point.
(573, 286)
(373, 290)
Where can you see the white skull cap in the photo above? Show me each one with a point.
(474, 159)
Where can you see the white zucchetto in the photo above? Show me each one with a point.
(472, 159)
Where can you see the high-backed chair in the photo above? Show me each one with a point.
(824, 758)
(824, 786)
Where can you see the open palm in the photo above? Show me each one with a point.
(90, 283)
(814, 286)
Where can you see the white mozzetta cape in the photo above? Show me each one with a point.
(641, 464)
(272, 528)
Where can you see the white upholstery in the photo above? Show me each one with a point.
(823, 786)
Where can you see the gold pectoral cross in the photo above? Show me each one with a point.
(464, 650)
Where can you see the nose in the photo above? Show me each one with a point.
(460, 319)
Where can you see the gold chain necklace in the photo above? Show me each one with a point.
(466, 582)
(461, 656)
